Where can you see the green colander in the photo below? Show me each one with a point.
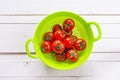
(82, 29)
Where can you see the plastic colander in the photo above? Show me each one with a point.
(82, 29)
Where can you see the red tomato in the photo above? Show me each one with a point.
(59, 35)
(68, 34)
(58, 46)
(72, 55)
(49, 36)
(68, 25)
(56, 27)
(68, 42)
(46, 47)
(80, 44)
(61, 57)
(74, 38)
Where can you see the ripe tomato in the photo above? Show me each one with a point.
(59, 35)
(46, 47)
(72, 55)
(56, 27)
(68, 42)
(80, 44)
(68, 25)
(61, 57)
(68, 34)
(74, 38)
(58, 46)
(49, 36)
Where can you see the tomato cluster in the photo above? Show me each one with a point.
(62, 42)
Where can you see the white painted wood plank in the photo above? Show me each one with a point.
(22, 69)
(27, 30)
(16, 31)
(107, 57)
(17, 45)
(42, 78)
(46, 6)
(14, 36)
(110, 30)
(107, 45)
(37, 19)
(61, 78)
(102, 57)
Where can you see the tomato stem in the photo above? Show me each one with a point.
(59, 47)
(48, 37)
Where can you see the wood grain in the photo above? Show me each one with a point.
(35, 19)
(18, 21)
(61, 78)
(14, 36)
(79, 6)
(94, 57)
(32, 68)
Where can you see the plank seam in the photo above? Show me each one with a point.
(48, 14)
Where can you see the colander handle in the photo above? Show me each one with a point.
(99, 30)
(27, 48)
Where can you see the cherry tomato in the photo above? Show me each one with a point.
(61, 57)
(59, 35)
(58, 46)
(80, 44)
(68, 25)
(56, 27)
(72, 55)
(49, 36)
(46, 47)
(74, 38)
(68, 42)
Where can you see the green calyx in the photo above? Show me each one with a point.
(81, 44)
(59, 47)
(66, 26)
(74, 39)
(61, 55)
(73, 54)
(48, 37)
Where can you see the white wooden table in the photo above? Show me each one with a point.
(18, 20)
